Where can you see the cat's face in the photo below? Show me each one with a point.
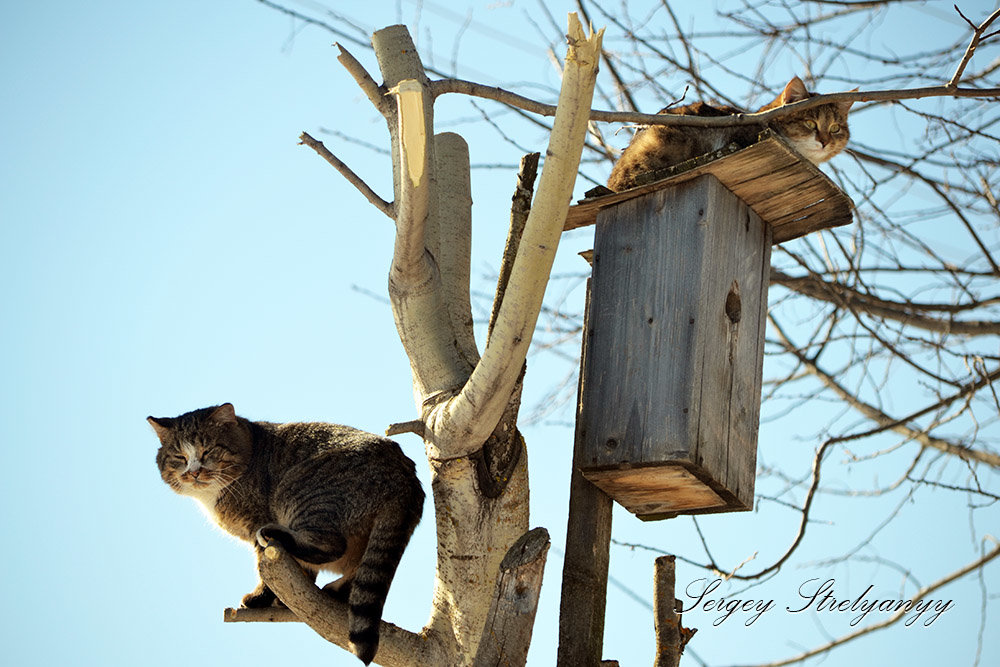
(201, 452)
(818, 133)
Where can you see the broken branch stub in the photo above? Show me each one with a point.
(507, 634)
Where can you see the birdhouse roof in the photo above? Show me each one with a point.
(786, 190)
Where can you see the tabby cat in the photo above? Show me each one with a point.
(817, 134)
(337, 499)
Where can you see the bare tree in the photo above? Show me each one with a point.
(467, 402)
(884, 332)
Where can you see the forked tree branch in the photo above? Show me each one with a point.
(376, 94)
(977, 38)
(423, 319)
(328, 617)
(666, 621)
(887, 423)
(466, 420)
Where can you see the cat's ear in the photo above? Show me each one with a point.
(162, 425)
(844, 107)
(795, 91)
(224, 414)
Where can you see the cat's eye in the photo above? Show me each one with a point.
(834, 129)
(811, 124)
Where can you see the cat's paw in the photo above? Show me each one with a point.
(276, 532)
(260, 598)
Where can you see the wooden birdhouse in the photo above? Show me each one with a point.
(674, 341)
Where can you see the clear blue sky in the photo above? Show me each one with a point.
(166, 245)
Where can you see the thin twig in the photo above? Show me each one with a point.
(413, 426)
(923, 592)
(348, 173)
(977, 38)
(444, 86)
(375, 93)
(306, 19)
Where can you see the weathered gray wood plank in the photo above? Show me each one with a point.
(674, 339)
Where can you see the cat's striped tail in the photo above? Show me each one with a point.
(370, 584)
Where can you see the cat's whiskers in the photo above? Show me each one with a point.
(227, 486)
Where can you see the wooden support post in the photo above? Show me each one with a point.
(507, 634)
(585, 575)
(585, 568)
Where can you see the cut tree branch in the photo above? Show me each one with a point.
(412, 426)
(328, 617)
(507, 634)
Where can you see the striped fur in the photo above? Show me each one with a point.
(818, 134)
(338, 499)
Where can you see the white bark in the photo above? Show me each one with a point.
(460, 397)
(475, 532)
(461, 424)
(449, 237)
